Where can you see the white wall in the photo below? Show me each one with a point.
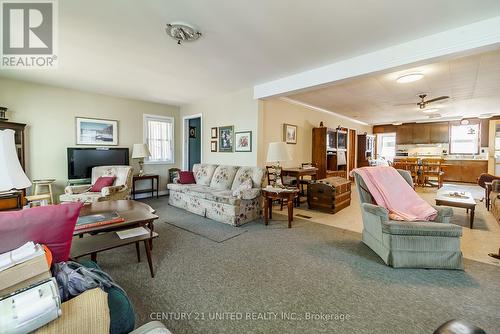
(275, 112)
(50, 115)
(238, 109)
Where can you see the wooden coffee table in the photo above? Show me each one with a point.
(466, 201)
(104, 237)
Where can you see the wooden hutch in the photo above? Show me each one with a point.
(329, 151)
(366, 149)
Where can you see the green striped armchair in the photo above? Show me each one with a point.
(402, 244)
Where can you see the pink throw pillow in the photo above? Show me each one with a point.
(186, 178)
(102, 182)
(51, 225)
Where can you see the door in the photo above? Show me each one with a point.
(194, 142)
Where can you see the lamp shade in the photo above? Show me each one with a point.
(278, 152)
(11, 173)
(140, 151)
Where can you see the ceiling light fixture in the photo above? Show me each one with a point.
(485, 116)
(397, 123)
(182, 32)
(464, 122)
(410, 77)
(430, 110)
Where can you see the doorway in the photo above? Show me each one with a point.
(192, 141)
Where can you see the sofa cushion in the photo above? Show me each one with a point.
(203, 173)
(224, 196)
(51, 225)
(102, 181)
(180, 187)
(186, 177)
(256, 174)
(223, 177)
(87, 197)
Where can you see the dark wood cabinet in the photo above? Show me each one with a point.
(366, 149)
(404, 134)
(485, 132)
(464, 170)
(388, 128)
(440, 133)
(324, 153)
(421, 133)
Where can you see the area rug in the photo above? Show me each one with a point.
(311, 278)
(198, 225)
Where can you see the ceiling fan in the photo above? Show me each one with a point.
(423, 103)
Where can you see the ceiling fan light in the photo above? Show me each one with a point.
(430, 110)
(410, 77)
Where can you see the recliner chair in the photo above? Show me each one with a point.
(403, 244)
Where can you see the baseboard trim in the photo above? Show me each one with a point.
(161, 193)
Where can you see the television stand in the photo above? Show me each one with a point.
(76, 182)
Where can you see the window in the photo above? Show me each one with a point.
(464, 139)
(386, 147)
(159, 136)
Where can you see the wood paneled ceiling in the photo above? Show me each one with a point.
(472, 82)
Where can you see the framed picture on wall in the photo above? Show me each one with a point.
(290, 133)
(93, 131)
(213, 133)
(213, 146)
(243, 141)
(226, 138)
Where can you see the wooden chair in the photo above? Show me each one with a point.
(432, 171)
(303, 181)
(271, 178)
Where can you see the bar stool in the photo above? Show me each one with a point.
(38, 188)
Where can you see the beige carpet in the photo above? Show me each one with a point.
(484, 238)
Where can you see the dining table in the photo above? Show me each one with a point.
(298, 173)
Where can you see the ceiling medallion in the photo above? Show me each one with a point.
(182, 32)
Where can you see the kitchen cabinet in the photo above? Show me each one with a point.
(404, 134)
(464, 170)
(388, 128)
(439, 133)
(421, 133)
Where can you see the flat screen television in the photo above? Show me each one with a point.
(82, 160)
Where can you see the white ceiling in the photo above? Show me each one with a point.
(472, 82)
(119, 47)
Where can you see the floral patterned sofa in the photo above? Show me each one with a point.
(215, 194)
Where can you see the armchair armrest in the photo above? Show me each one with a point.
(444, 214)
(421, 228)
(495, 186)
(80, 189)
(379, 211)
(108, 191)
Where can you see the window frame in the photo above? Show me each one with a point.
(478, 146)
(171, 119)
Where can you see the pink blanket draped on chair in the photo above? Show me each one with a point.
(391, 191)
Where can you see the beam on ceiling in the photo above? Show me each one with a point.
(469, 38)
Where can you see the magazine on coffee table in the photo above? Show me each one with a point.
(103, 218)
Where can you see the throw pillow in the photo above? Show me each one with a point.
(245, 185)
(102, 182)
(186, 177)
(52, 225)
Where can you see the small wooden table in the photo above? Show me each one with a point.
(298, 173)
(102, 238)
(271, 194)
(152, 190)
(466, 201)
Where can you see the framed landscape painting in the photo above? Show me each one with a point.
(290, 133)
(226, 138)
(243, 141)
(92, 131)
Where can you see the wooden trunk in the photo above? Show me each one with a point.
(330, 195)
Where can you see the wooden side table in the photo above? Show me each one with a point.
(271, 194)
(487, 190)
(38, 184)
(152, 190)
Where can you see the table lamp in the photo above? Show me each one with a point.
(140, 151)
(276, 153)
(12, 176)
